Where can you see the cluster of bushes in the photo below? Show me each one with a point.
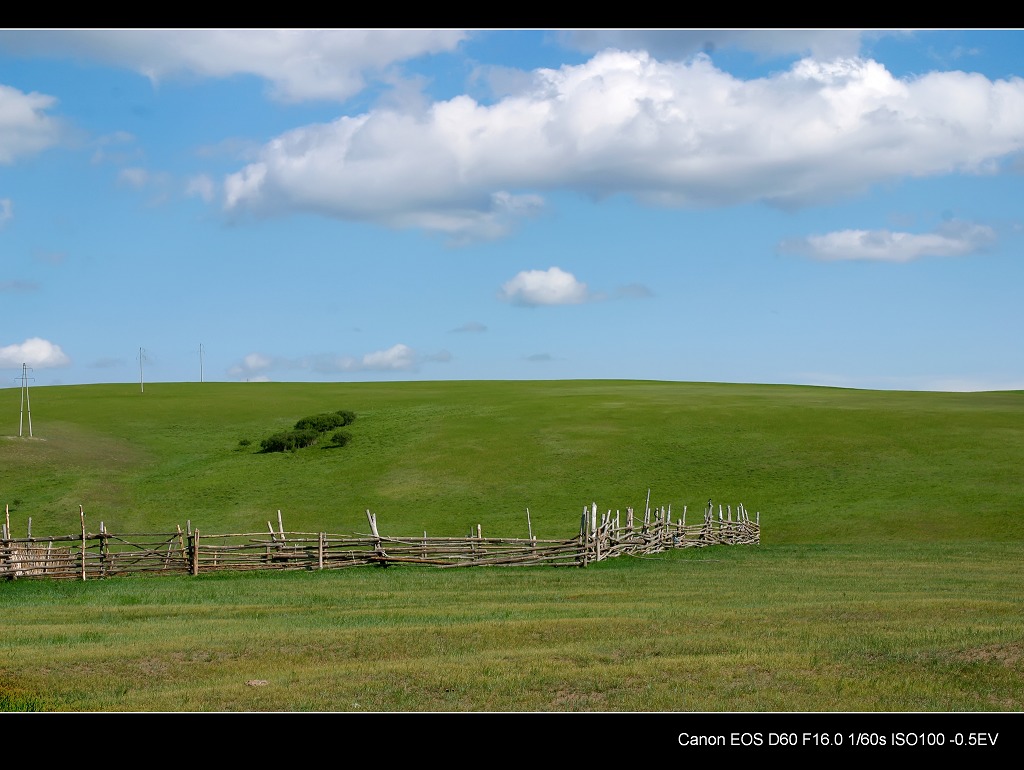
(309, 431)
(327, 421)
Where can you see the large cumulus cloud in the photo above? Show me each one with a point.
(298, 64)
(670, 133)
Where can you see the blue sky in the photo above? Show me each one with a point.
(822, 207)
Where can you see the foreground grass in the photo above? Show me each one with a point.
(914, 627)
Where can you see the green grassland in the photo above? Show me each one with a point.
(888, 577)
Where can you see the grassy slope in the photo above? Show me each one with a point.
(822, 465)
(889, 576)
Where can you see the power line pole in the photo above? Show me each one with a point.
(142, 384)
(25, 402)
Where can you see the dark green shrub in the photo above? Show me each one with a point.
(244, 442)
(290, 440)
(325, 422)
(340, 438)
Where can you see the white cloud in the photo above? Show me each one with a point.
(158, 184)
(133, 177)
(25, 128)
(201, 186)
(298, 64)
(18, 286)
(6, 211)
(553, 286)
(256, 361)
(36, 352)
(676, 134)
(680, 43)
(398, 357)
(955, 239)
(118, 147)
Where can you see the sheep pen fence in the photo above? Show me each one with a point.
(101, 554)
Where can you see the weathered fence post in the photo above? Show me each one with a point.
(194, 542)
(181, 545)
(103, 550)
(584, 537)
(81, 512)
(378, 546)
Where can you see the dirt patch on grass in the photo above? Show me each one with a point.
(1010, 654)
(575, 700)
(69, 444)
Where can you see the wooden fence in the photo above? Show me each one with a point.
(187, 551)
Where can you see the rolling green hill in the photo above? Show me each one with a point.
(822, 465)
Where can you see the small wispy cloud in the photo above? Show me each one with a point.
(539, 358)
(201, 186)
(398, 357)
(49, 257)
(953, 239)
(472, 326)
(18, 286)
(159, 185)
(6, 211)
(133, 176)
(118, 148)
(634, 291)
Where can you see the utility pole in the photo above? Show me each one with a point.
(142, 384)
(25, 402)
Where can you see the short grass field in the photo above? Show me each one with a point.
(889, 575)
